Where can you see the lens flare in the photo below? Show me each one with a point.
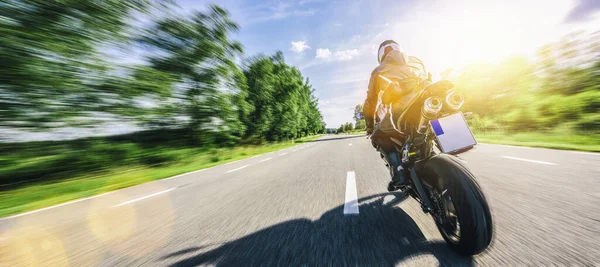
(123, 230)
(31, 246)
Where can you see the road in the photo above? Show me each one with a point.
(286, 208)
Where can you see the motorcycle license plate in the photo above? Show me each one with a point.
(453, 133)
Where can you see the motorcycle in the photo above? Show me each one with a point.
(428, 135)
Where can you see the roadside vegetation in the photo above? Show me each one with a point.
(106, 167)
(549, 100)
(176, 77)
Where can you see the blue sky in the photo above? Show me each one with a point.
(334, 42)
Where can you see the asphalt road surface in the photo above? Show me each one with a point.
(286, 208)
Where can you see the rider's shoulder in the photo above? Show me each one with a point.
(413, 59)
(377, 69)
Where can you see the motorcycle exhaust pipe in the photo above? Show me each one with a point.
(455, 100)
(431, 110)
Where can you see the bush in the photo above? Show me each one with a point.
(588, 101)
(589, 123)
(521, 120)
(483, 124)
(157, 158)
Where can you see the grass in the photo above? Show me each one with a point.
(554, 140)
(46, 193)
(558, 139)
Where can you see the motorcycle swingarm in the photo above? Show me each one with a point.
(424, 199)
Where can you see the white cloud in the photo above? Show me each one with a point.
(299, 46)
(270, 11)
(347, 54)
(304, 2)
(308, 12)
(323, 53)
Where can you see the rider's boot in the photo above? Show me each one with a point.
(399, 179)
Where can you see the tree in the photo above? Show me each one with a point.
(284, 103)
(51, 71)
(347, 127)
(359, 124)
(198, 53)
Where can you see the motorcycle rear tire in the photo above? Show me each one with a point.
(448, 174)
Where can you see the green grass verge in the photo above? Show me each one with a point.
(565, 141)
(47, 193)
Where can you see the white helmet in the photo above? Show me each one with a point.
(385, 48)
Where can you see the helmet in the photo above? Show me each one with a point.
(385, 48)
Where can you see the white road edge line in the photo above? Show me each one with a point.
(83, 199)
(586, 153)
(351, 203)
(183, 174)
(237, 169)
(266, 159)
(55, 206)
(141, 198)
(524, 147)
(546, 148)
(530, 160)
(283, 154)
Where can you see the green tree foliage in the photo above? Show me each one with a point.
(197, 53)
(284, 105)
(359, 124)
(52, 73)
(559, 87)
(50, 68)
(345, 128)
(348, 127)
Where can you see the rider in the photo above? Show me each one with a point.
(403, 75)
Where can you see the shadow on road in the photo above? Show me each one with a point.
(382, 235)
(337, 138)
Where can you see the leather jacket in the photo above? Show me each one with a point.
(408, 72)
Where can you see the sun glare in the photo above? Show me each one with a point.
(466, 32)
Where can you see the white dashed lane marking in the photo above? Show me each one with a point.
(237, 169)
(265, 159)
(351, 203)
(530, 160)
(144, 197)
(55, 206)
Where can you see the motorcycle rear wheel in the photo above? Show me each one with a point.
(466, 222)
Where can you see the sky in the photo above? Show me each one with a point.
(334, 42)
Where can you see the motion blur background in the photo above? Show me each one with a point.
(148, 84)
(101, 95)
